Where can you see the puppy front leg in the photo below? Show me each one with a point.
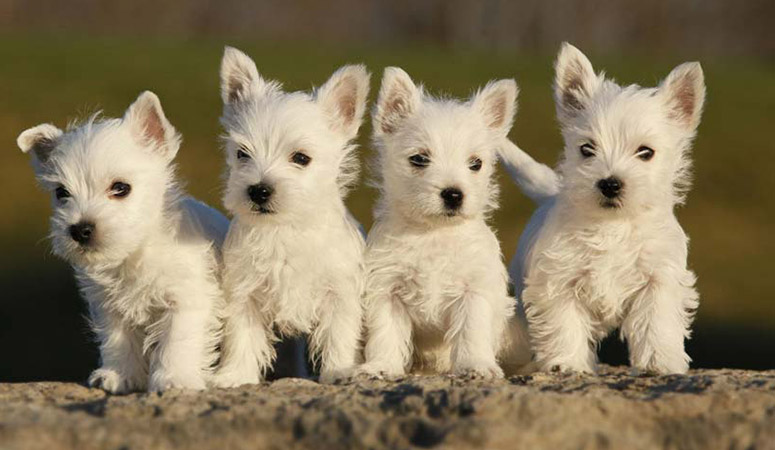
(122, 364)
(246, 351)
(388, 349)
(658, 323)
(560, 330)
(471, 333)
(516, 354)
(180, 358)
(337, 335)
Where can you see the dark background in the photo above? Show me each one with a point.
(62, 60)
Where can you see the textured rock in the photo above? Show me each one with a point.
(728, 409)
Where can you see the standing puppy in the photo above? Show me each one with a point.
(606, 250)
(145, 256)
(293, 256)
(436, 283)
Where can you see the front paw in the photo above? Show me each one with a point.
(164, 380)
(679, 367)
(478, 370)
(226, 378)
(561, 367)
(378, 370)
(335, 376)
(110, 380)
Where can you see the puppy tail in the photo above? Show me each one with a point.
(537, 181)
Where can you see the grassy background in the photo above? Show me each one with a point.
(729, 216)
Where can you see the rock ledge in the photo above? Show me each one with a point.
(728, 409)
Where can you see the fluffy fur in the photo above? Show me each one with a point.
(294, 262)
(589, 262)
(149, 269)
(436, 295)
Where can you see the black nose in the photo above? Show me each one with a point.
(82, 232)
(610, 187)
(453, 198)
(260, 193)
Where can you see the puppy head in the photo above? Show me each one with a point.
(288, 154)
(107, 179)
(626, 147)
(437, 156)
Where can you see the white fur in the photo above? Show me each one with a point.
(298, 269)
(437, 288)
(151, 276)
(583, 269)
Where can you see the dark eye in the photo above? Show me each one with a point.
(420, 160)
(300, 159)
(61, 193)
(242, 153)
(645, 153)
(587, 150)
(119, 189)
(475, 164)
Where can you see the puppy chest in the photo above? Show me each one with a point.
(601, 278)
(294, 294)
(136, 301)
(609, 285)
(431, 286)
(609, 280)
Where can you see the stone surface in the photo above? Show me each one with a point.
(725, 409)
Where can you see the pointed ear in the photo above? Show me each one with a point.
(150, 126)
(239, 77)
(398, 99)
(684, 94)
(343, 98)
(40, 140)
(575, 81)
(497, 103)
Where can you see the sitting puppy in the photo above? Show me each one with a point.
(145, 256)
(293, 258)
(604, 249)
(437, 287)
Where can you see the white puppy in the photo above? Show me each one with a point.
(604, 249)
(145, 256)
(294, 255)
(437, 287)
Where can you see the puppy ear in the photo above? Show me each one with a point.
(41, 140)
(497, 103)
(575, 81)
(398, 99)
(149, 125)
(239, 77)
(343, 98)
(684, 94)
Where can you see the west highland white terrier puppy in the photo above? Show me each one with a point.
(437, 288)
(293, 256)
(145, 256)
(604, 249)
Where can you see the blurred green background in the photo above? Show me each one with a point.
(57, 70)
